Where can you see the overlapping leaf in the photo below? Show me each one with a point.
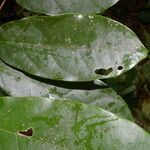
(54, 7)
(18, 84)
(70, 47)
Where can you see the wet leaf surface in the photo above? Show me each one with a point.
(18, 84)
(54, 7)
(70, 47)
(65, 124)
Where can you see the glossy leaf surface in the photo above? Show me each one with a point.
(70, 47)
(54, 7)
(65, 124)
(18, 84)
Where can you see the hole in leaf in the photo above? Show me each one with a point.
(104, 71)
(120, 68)
(28, 132)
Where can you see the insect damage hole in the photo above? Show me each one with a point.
(120, 68)
(28, 132)
(103, 71)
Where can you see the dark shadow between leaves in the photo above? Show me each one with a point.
(63, 84)
(3, 92)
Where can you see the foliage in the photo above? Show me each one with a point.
(64, 123)
(52, 46)
(53, 7)
(56, 79)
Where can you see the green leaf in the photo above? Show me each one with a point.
(18, 84)
(54, 7)
(70, 47)
(65, 124)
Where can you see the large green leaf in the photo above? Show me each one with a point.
(17, 84)
(70, 47)
(54, 7)
(65, 124)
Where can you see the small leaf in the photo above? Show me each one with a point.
(18, 84)
(65, 124)
(70, 47)
(54, 7)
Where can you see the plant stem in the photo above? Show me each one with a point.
(2, 4)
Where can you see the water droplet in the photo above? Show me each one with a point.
(91, 17)
(50, 96)
(75, 28)
(55, 138)
(79, 17)
(116, 24)
(68, 40)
